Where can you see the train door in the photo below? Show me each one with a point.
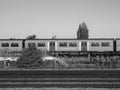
(83, 46)
(52, 46)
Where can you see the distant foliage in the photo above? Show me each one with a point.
(82, 32)
(31, 37)
(30, 58)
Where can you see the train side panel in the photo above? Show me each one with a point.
(101, 45)
(118, 44)
(91, 45)
(40, 44)
(11, 45)
(68, 45)
(98, 45)
(71, 45)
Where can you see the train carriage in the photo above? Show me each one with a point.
(11, 46)
(73, 45)
(42, 44)
(101, 45)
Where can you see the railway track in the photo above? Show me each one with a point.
(106, 79)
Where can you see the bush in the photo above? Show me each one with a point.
(30, 57)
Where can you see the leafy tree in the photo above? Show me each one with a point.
(82, 32)
(30, 58)
(31, 37)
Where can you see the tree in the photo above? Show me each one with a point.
(30, 58)
(82, 32)
(31, 37)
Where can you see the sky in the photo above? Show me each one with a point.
(46, 18)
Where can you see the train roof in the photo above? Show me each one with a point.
(10, 39)
(74, 39)
(64, 39)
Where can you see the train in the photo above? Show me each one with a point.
(65, 46)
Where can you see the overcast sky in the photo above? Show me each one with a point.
(46, 18)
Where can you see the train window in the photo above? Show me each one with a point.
(105, 44)
(41, 44)
(95, 44)
(73, 44)
(63, 44)
(5, 45)
(14, 45)
(31, 44)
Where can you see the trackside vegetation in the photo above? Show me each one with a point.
(30, 57)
